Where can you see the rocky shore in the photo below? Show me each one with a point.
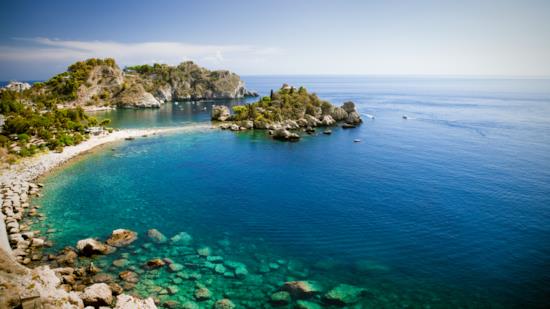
(287, 112)
(66, 285)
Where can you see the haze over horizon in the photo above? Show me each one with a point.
(496, 38)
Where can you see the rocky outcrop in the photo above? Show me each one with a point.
(121, 238)
(301, 289)
(344, 294)
(135, 96)
(16, 86)
(90, 246)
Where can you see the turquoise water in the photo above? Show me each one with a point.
(449, 208)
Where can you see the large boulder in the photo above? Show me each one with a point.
(327, 120)
(98, 294)
(121, 238)
(301, 289)
(339, 114)
(285, 135)
(156, 236)
(354, 118)
(344, 294)
(312, 121)
(220, 113)
(124, 301)
(90, 246)
(349, 107)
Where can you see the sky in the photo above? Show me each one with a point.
(497, 38)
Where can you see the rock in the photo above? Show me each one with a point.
(339, 114)
(102, 277)
(202, 294)
(98, 294)
(310, 130)
(156, 236)
(120, 263)
(354, 118)
(303, 304)
(241, 272)
(17, 86)
(348, 107)
(121, 238)
(220, 269)
(235, 127)
(301, 289)
(129, 276)
(224, 304)
(220, 113)
(124, 301)
(348, 126)
(214, 259)
(344, 294)
(204, 251)
(172, 289)
(116, 288)
(155, 263)
(37, 242)
(327, 120)
(181, 238)
(90, 246)
(280, 298)
(327, 132)
(190, 305)
(175, 267)
(285, 135)
(136, 96)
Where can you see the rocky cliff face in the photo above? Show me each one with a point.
(100, 82)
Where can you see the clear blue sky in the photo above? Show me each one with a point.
(40, 38)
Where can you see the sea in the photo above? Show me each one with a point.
(440, 199)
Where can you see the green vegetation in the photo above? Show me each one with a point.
(64, 87)
(287, 103)
(29, 128)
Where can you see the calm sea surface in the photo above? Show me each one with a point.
(449, 208)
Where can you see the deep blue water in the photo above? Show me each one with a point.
(450, 208)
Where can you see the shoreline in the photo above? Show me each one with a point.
(30, 169)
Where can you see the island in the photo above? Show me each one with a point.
(286, 110)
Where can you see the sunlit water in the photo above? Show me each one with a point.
(449, 208)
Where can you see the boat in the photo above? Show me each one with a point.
(405, 117)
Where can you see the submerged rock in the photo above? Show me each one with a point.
(90, 246)
(181, 238)
(301, 289)
(204, 251)
(129, 276)
(344, 294)
(224, 304)
(121, 238)
(202, 294)
(155, 263)
(280, 298)
(98, 294)
(303, 304)
(156, 236)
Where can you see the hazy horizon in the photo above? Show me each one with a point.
(377, 38)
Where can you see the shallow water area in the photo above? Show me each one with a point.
(447, 208)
